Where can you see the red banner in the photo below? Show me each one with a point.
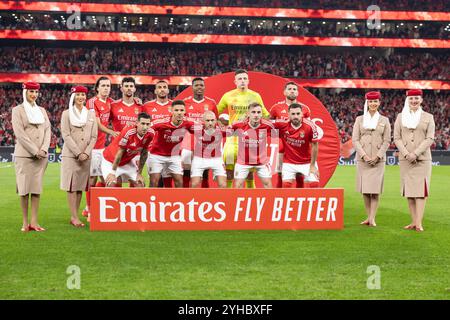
(106, 8)
(216, 209)
(223, 39)
(54, 78)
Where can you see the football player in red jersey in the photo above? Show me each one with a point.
(118, 156)
(101, 104)
(300, 139)
(253, 133)
(165, 148)
(280, 111)
(196, 106)
(208, 151)
(124, 111)
(159, 108)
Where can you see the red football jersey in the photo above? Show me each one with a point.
(209, 145)
(102, 111)
(279, 111)
(252, 142)
(129, 140)
(297, 141)
(124, 115)
(168, 137)
(157, 110)
(195, 110)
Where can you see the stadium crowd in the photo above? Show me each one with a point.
(240, 26)
(200, 62)
(342, 105)
(417, 5)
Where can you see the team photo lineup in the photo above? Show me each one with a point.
(225, 150)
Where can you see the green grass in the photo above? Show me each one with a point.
(230, 264)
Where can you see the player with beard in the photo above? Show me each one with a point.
(196, 106)
(158, 109)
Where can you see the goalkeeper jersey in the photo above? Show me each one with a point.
(237, 102)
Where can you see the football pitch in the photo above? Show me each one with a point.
(230, 264)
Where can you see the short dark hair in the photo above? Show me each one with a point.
(290, 83)
(143, 115)
(159, 81)
(295, 106)
(239, 71)
(128, 79)
(254, 105)
(178, 102)
(197, 79)
(97, 83)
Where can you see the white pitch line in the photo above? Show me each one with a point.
(8, 166)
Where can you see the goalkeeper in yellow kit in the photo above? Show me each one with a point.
(236, 102)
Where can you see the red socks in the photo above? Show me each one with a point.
(168, 182)
(299, 181)
(287, 184)
(279, 181)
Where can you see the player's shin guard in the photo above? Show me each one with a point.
(186, 178)
(229, 183)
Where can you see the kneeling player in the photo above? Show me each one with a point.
(252, 147)
(208, 152)
(118, 156)
(300, 140)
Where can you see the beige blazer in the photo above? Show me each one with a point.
(78, 140)
(30, 138)
(417, 140)
(371, 142)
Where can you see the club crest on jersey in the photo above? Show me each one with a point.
(302, 134)
(136, 110)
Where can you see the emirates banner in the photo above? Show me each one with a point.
(143, 209)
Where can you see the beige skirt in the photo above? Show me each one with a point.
(29, 175)
(74, 174)
(370, 179)
(415, 179)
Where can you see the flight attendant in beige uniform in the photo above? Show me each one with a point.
(413, 136)
(371, 138)
(79, 131)
(32, 131)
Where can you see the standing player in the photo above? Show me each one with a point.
(159, 108)
(252, 135)
(118, 156)
(196, 106)
(236, 102)
(101, 104)
(208, 151)
(165, 148)
(124, 111)
(280, 111)
(300, 139)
